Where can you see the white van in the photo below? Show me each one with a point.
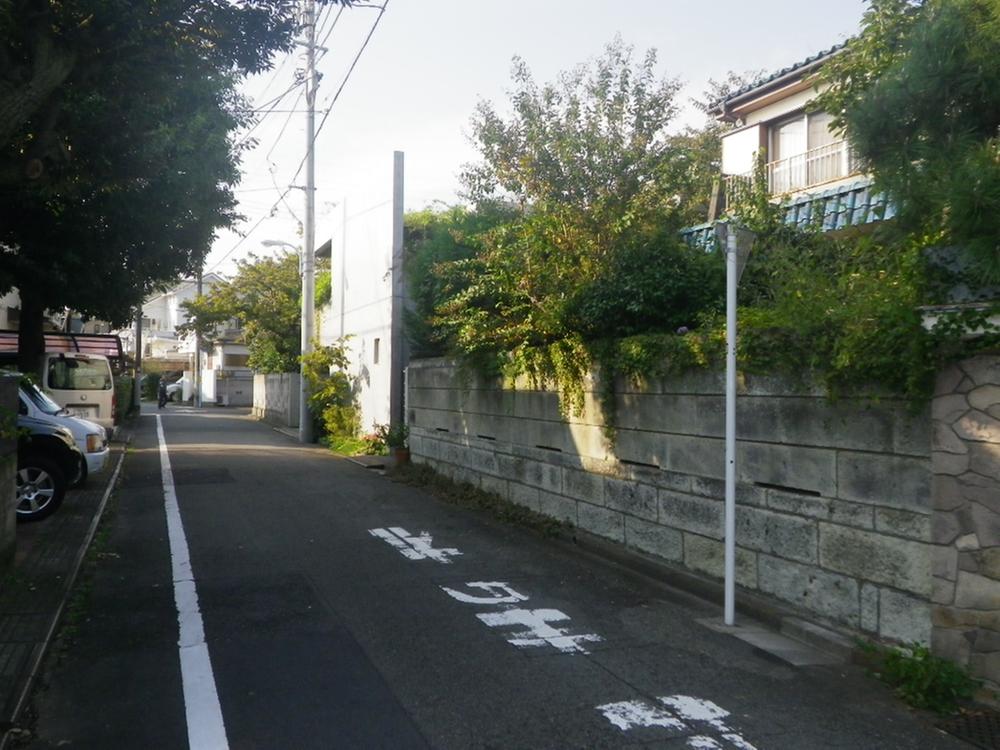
(82, 384)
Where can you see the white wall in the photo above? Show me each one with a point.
(361, 305)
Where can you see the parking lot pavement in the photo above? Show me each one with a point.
(34, 591)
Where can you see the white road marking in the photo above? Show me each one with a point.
(697, 710)
(205, 727)
(683, 714)
(510, 597)
(539, 632)
(418, 547)
(628, 714)
(703, 743)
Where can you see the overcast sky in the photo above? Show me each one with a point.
(430, 61)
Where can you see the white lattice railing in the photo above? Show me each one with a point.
(814, 167)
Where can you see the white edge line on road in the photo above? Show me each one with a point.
(206, 729)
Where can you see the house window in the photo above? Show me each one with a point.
(375, 351)
(804, 151)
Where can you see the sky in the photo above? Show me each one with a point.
(429, 62)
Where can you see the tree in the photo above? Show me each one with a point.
(601, 187)
(432, 239)
(48, 47)
(918, 92)
(116, 173)
(265, 297)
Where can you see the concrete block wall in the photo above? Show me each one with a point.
(834, 505)
(8, 469)
(276, 398)
(966, 524)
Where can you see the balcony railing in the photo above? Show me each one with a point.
(827, 163)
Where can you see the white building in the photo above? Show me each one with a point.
(368, 297)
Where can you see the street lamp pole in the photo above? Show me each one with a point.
(737, 242)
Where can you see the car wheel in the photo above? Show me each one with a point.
(41, 486)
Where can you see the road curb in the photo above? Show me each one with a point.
(702, 590)
(67, 589)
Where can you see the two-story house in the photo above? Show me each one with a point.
(807, 164)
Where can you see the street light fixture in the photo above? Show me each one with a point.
(306, 325)
(289, 245)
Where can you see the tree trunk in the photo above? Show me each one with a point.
(31, 336)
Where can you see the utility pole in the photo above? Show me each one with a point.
(309, 241)
(136, 387)
(197, 355)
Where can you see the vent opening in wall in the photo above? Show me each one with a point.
(785, 488)
(644, 465)
(441, 429)
(486, 437)
(375, 350)
(549, 448)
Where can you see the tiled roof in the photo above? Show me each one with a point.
(850, 205)
(778, 74)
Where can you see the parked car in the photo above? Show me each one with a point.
(46, 456)
(90, 437)
(175, 390)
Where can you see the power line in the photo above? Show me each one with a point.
(274, 104)
(326, 114)
(267, 156)
(343, 83)
(245, 237)
(322, 23)
(329, 31)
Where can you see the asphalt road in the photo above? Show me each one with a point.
(329, 621)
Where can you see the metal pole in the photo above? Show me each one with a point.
(309, 244)
(730, 535)
(397, 340)
(197, 356)
(136, 394)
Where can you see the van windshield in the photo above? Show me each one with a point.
(71, 374)
(41, 402)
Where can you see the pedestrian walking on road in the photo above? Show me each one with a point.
(161, 394)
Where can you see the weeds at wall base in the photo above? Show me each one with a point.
(918, 677)
(465, 495)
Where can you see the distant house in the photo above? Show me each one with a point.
(808, 166)
(223, 356)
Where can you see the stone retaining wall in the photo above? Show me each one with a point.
(834, 505)
(966, 530)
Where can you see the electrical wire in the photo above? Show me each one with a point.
(281, 133)
(250, 231)
(274, 105)
(326, 114)
(326, 38)
(343, 83)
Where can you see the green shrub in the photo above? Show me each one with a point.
(124, 388)
(921, 679)
(150, 385)
(331, 390)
